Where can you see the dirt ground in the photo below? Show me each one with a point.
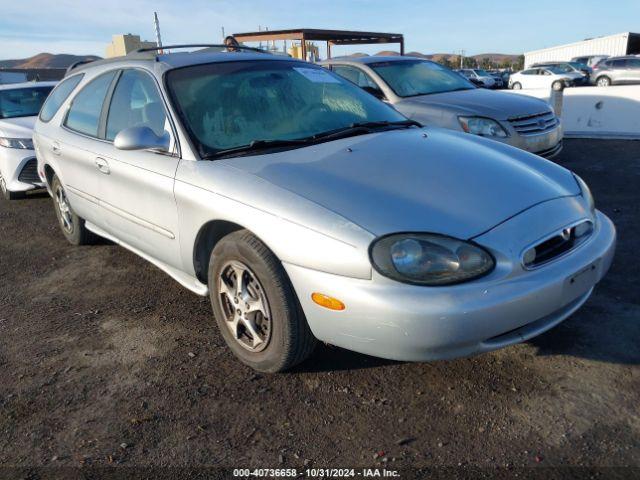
(106, 361)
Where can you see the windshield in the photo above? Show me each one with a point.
(409, 78)
(558, 69)
(481, 73)
(22, 102)
(234, 104)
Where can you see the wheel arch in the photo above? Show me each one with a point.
(207, 238)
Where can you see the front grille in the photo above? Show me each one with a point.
(29, 173)
(534, 124)
(557, 245)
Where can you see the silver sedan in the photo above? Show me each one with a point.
(308, 210)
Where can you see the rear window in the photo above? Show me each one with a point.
(58, 96)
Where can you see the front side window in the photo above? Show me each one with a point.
(234, 104)
(58, 96)
(633, 63)
(410, 78)
(22, 102)
(360, 78)
(135, 102)
(86, 107)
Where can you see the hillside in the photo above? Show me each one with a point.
(46, 60)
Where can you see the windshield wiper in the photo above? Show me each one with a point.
(362, 128)
(256, 145)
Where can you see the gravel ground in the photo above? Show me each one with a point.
(106, 361)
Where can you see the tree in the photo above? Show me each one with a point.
(485, 63)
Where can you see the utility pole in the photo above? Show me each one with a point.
(223, 35)
(156, 24)
(461, 59)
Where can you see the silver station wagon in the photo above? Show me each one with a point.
(436, 96)
(308, 210)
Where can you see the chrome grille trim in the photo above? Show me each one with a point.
(534, 124)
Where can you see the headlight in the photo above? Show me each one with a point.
(429, 259)
(586, 193)
(482, 126)
(22, 143)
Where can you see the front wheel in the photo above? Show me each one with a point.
(603, 81)
(516, 86)
(72, 225)
(255, 306)
(557, 86)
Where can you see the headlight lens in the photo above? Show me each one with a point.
(22, 143)
(429, 259)
(586, 193)
(482, 126)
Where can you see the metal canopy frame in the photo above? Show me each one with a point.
(332, 37)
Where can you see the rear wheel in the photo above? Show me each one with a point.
(6, 194)
(72, 225)
(516, 86)
(603, 81)
(255, 307)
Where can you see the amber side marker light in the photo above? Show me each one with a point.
(327, 302)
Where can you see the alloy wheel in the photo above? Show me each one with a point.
(245, 306)
(64, 209)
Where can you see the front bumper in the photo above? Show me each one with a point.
(547, 144)
(19, 170)
(392, 320)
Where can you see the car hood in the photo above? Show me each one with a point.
(20, 127)
(401, 181)
(479, 101)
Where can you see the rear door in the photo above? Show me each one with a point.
(138, 184)
(77, 145)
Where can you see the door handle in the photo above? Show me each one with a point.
(103, 165)
(55, 148)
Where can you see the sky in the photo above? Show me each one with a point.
(28, 27)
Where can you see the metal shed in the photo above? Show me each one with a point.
(626, 43)
(332, 37)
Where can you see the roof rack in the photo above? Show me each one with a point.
(198, 45)
(77, 64)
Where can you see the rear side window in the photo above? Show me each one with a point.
(622, 63)
(136, 102)
(58, 96)
(86, 107)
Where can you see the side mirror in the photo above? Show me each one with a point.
(141, 138)
(375, 92)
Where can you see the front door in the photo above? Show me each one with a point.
(138, 184)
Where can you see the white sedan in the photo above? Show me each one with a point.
(544, 77)
(19, 107)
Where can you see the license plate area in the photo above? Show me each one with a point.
(580, 282)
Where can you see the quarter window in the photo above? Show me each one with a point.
(58, 96)
(136, 102)
(86, 107)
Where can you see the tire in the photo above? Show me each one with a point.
(516, 86)
(7, 195)
(557, 85)
(603, 81)
(282, 336)
(72, 225)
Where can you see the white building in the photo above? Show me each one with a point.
(613, 45)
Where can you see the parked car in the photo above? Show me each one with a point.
(570, 67)
(434, 95)
(19, 105)
(307, 209)
(589, 60)
(544, 77)
(12, 77)
(497, 76)
(617, 71)
(478, 74)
